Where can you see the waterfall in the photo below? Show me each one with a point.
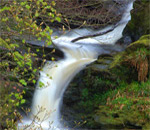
(56, 75)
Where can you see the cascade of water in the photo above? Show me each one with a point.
(56, 75)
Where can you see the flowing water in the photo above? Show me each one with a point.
(56, 75)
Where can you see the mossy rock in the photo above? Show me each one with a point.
(139, 24)
(127, 107)
(144, 41)
(128, 118)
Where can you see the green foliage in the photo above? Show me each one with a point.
(85, 93)
(11, 97)
(41, 84)
(143, 42)
(119, 90)
(137, 56)
(115, 99)
(24, 15)
(132, 99)
(19, 21)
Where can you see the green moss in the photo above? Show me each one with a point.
(116, 117)
(123, 102)
(144, 41)
(128, 107)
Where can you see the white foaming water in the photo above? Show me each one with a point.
(56, 75)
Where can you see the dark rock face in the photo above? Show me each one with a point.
(139, 25)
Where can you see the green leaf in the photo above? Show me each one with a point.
(48, 7)
(35, 70)
(29, 63)
(44, 3)
(49, 43)
(23, 41)
(36, 14)
(3, 43)
(53, 3)
(37, 50)
(20, 63)
(52, 58)
(17, 95)
(27, 6)
(41, 84)
(4, 8)
(39, 38)
(58, 19)
(14, 45)
(18, 55)
(4, 19)
(17, 104)
(23, 3)
(23, 101)
(53, 10)
(22, 81)
(34, 81)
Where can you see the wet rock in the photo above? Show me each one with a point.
(127, 40)
(139, 25)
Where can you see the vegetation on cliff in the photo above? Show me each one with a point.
(119, 96)
(116, 98)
